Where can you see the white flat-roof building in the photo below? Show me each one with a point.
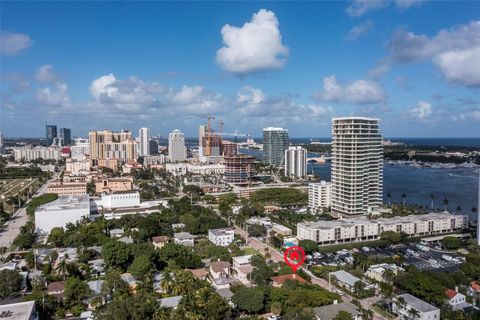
(19, 311)
(32, 153)
(221, 237)
(346, 279)
(177, 152)
(425, 310)
(78, 167)
(319, 195)
(184, 238)
(58, 213)
(363, 229)
(120, 200)
(357, 165)
(296, 162)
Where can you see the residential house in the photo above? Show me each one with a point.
(56, 289)
(279, 281)
(219, 269)
(242, 268)
(377, 271)
(329, 312)
(456, 299)
(171, 302)
(131, 281)
(96, 290)
(200, 273)
(19, 311)
(345, 279)
(160, 241)
(184, 238)
(404, 304)
(227, 294)
(221, 237)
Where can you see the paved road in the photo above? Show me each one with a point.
(19, 219)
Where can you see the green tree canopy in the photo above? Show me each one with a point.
(10, 283)
(250, 300)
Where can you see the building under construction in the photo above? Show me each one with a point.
(209, 141)
(239, 169)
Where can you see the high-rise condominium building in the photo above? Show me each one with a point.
(296, 162)
(275, 142)
(65, 136)
(357, 165)
(176, 146)
(50, 133)
(81, 149)
(202, 133)
(319, 195)
(144, 138)
(106, 144)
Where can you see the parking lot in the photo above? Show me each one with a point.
(422, 257)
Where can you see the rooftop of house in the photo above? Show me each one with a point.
(417, 303)
(329, 312)
(160, 239)
(219, 266)
(345, 277)
(475, 285)
(199, 273)
(18, 311)
(171, 302)
(286, 277)
(220, 232)
(183, 235)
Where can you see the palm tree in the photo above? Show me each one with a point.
(62, 267)
(400, 302)
(389, 199)
(445, 204)
(413, 313)
(388, 275)
(432, 197)
(167, 282)
(404, 199)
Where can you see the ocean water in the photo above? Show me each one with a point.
(458, 185)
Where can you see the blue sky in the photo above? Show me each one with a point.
(166, 65)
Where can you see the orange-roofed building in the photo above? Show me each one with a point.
(279, 281)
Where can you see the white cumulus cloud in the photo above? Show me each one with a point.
(461, 66)
(359, 91)
(13, 43)
(406, 4)
(359, 30)
(422, 111)
(454, 51)
(360, 7)
(46, 74)
(56, 95)
(254, 47)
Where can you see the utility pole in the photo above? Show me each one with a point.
(329, 282)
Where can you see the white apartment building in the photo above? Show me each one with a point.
(363, 229)
(242, 268)
(319, 195)
(296, 162)
(425, 310)
(120, 200)
(221, 237)
(206, 169)
(77, 167)
(58, 213)
(144, 141)
(177, 151)
(33, 153)
(184, 238)
(357, 166)
(377, 271)
(80, 150)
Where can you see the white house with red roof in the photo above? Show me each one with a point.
(456, 299)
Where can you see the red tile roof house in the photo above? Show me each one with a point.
(160, 241)
(56, 289)
(200, 273)
(219, 269)
(456, 299)
(279, 281)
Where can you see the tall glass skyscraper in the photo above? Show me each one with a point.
(275, 142)
(357, 166)
(65, 136)
(50, 133)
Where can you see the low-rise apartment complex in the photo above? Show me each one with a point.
(67, 188)
(363, 229)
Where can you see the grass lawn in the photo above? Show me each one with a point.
(248, 251)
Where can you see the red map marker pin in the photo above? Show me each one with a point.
(294, 257)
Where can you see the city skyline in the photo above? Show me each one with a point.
(307, 63)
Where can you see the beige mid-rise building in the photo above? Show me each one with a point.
(67, 188)
(110, 185)
(108, 144)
